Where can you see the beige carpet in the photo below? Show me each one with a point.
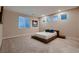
(25, 44)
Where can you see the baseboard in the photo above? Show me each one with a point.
(25, 34)
(72, 37)
(14, 36)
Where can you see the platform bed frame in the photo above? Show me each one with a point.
(48, 40)
(44, 40)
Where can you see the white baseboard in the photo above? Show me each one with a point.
(25, 35)
(14, 36)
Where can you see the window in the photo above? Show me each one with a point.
(48, 19)
(23, 22)
(27, 22)
(55, 18)
(63, 16)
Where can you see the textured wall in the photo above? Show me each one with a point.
(69, 27)
(10, 25)
(1, 28)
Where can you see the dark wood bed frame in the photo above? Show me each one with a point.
(46, 41)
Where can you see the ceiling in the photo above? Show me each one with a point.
(38, 10)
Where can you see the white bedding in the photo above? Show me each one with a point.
(45, 35)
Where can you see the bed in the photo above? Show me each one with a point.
(45, 36)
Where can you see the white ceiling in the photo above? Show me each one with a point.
(38, 10)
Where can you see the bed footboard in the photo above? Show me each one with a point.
(44, 40)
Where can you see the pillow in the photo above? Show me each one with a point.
(51, 31)
(47, 30)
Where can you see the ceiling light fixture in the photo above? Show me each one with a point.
(59, 10)
(43, 15)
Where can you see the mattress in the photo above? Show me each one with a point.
(45, 35)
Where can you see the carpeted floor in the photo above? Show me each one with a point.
(25, 44)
